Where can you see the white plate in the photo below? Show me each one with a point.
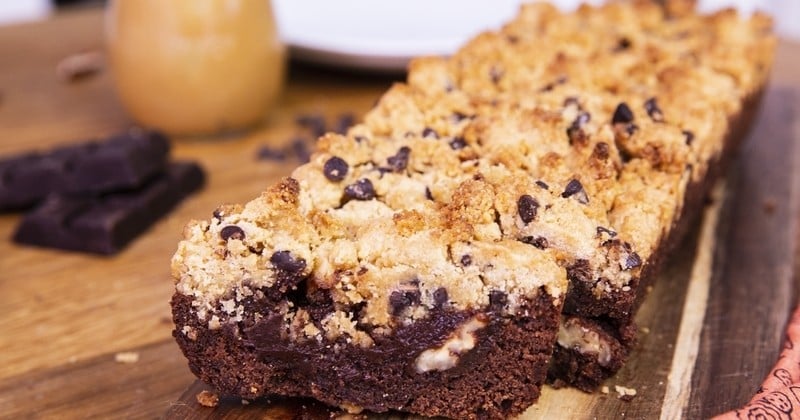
(384, 34)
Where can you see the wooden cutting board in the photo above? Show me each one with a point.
(711, 328)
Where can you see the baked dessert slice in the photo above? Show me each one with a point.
(514, 157)
(363, 306)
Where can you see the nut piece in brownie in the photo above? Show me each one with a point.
(365, 307)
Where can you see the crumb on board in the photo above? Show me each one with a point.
(126, 357)
(625, 394)
(645, 330)
(604, 389)
(207, 399)
(80, 65)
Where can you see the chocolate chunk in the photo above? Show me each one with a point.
(651, 106)
(429, 133)
(466, 260)
(105, 224)
(440, 297)
(622, 114)
(526, 208)
(631, 261)
(231, 232)
(286, 262)
(498, 300)
(542, 185)
(399, 161)
(580, 270)
(537, 241)
(689, 135)
(344, 122)
(428, 194)
(458, 143)
(399, 300)
(601, 230)
(335, 169)
(360, 190)
(124, 161)
(574, 187)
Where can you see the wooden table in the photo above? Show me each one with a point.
(63, 316)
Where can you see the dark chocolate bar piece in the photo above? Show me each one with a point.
(124, 161)
(106, 223)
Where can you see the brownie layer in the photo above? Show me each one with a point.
(252, 359)
(583, 369)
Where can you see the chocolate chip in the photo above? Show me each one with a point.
(632, 261)
(689, 135)
(495, 74)
(458, 143)
(440, 297)
(537, 241)
(622, 114)
(402, 299)
(399, 161)
(271, 153)
(360, 190)
(601, 151)
(631, 129)
(651, 106)
(217, 214)
(542, 185)
(601, 230)
(428, 194)
(313, 122)
(466, 260)
(574, 187)
(526, 208)
(231, 232)
(575, 130)
(459, 116)
(623, 44)
(344, 122)
(498, 300)
(548, 87)
(429, 132)
(300, 149)
(335, 169)
(360, 139)
(572, 101)
(284, 261)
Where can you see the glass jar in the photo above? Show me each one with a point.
(195, 67)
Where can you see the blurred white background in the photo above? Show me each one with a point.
(786, 12)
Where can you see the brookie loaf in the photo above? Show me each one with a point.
(421, 262)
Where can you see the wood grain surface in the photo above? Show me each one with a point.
(64, 316)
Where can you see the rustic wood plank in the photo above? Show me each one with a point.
(100, 387)
(753, 289)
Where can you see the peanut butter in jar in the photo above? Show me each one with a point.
(195, 67)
